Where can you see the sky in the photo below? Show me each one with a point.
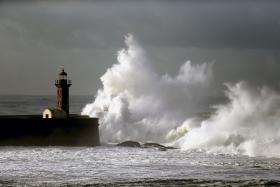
(241, 37)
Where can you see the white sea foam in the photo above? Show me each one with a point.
(138, 104)
(248, 124)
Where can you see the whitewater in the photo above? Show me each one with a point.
(110, 165)
(137, 103)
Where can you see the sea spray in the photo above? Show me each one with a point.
(136, 103)
(248, 124)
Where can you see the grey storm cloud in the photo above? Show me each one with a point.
(201, 23)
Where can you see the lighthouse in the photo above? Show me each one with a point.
(56, 127)
(62, 98)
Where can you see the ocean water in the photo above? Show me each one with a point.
(110, 165)
(23, 105)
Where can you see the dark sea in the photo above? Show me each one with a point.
(109, 165)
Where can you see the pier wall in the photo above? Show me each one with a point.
(35, 131)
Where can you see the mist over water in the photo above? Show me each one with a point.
(136, 103)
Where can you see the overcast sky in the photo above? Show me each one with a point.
(242, 37)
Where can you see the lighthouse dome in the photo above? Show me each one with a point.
(62, 72)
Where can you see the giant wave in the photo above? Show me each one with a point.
(136, 103)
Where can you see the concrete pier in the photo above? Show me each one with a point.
(33, 130)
